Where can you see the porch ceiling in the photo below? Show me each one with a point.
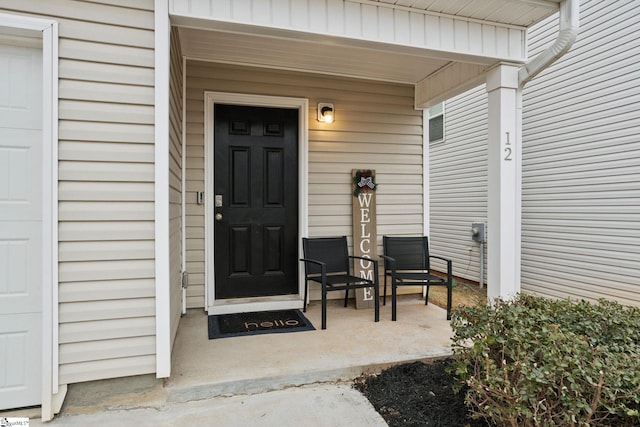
(317, 56)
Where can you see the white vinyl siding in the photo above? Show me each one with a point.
(175, 184)
(458, 183)
(581, 177)
(376, 127)
(106, 287)
(581, 153)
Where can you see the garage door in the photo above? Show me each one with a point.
(20, 221)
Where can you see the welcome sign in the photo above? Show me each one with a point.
(364, 231)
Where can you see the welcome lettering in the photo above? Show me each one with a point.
(364, 240)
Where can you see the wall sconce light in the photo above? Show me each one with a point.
(326, 113)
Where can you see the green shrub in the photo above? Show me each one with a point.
(533, 361)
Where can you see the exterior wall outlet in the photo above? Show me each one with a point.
(185, 280)
(477, 232)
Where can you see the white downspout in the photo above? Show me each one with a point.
(569, 25)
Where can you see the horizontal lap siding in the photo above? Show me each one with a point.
(376, 127)
(581, 191)
(175, 183)
(106, 185)
(581, 159)
(458, 183)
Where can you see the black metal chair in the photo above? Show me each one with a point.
(407, 263)
(327, 261)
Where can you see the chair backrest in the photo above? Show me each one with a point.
(332, 251)
(410, 253)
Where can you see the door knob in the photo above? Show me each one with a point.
(218, 216)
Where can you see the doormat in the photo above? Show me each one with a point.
(261, 322)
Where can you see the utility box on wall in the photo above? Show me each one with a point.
(477, 232)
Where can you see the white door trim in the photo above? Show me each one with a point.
(161, 192)
(265, 303)
(47, 30)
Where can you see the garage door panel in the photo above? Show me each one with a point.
(20, 174)
(20, 87)
(20, 267)
(20, 370)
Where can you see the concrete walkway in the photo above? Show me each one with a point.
(316, 405)
(291, 379)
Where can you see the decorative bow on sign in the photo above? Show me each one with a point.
(368, 181)
(364, 180)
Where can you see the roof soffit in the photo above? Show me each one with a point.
(404, 41)
(522, 13)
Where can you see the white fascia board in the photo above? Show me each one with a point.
(448, 82)
(345, 21)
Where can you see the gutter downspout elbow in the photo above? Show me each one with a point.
(568, 31)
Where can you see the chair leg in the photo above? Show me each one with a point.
(449, 294)
(449, 290)
(346, 297)
(324, 309)
(306, 294)
(384, 300)
(426, 296)
(393, 301)
(376, 292)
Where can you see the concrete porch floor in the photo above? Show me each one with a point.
(316, 366)
(351, 345)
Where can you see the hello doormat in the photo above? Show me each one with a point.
(262, 322)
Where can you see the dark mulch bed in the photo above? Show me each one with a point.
(417, 394)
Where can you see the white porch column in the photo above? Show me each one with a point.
(505, 182)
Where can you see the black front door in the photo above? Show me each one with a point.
(256, 201)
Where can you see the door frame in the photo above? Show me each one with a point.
(47, 30)
(278, 302)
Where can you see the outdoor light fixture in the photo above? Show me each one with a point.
(326, 113)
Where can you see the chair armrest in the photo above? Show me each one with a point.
(375, 263)
(323, 266)
(391, 262)
(448, 261)
(314, 261)
(439, 257)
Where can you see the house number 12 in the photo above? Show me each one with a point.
(507, 149)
